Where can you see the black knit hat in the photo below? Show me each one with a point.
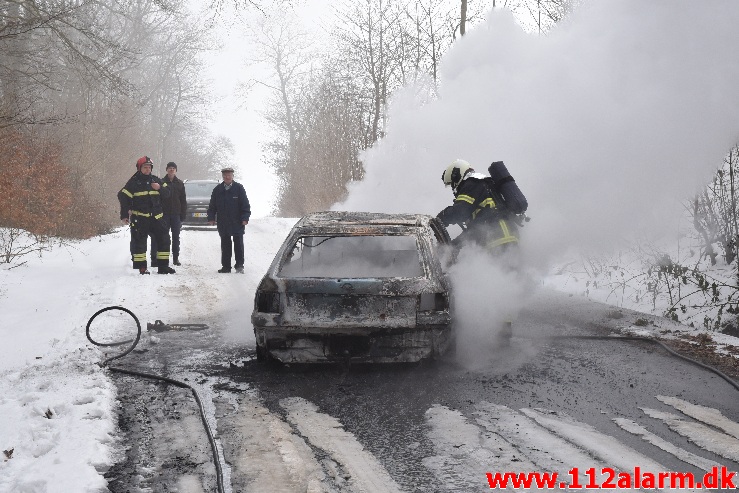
(171, 165)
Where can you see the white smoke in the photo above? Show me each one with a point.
(608, 123)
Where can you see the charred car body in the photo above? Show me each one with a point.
(351, 286)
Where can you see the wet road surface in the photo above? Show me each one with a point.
(543, 403)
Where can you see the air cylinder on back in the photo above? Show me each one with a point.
(506, 186)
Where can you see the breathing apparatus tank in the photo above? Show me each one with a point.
(505, 185)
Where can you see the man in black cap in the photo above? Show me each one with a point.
(229, 208)
(175, 209)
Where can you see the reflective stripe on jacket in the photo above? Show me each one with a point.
(481, 210)
(139, 198)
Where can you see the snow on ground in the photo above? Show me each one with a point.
(58, 407)
(626, 277)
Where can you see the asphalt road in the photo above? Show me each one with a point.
(547, 402)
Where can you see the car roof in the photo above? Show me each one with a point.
(345, 218)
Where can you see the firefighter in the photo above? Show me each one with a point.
(479, 209)
(141, 207)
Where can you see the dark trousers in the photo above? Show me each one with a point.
(173, 224)
(142, 228)
(238, 250)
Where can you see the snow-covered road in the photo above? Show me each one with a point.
(58, 410)
(288, 430)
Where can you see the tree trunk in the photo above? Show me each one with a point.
(463, 18)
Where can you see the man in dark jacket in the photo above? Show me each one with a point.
(141, 207)
(174, 208)
(229, 208)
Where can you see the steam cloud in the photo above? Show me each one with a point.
(608, 123)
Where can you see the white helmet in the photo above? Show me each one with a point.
(455, 172)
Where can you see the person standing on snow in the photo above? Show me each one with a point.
(229, 209)
(141, 207)
(175, 210)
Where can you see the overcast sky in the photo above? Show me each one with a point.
(239, 115)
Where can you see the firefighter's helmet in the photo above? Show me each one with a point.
(142, 161)
(455, 173)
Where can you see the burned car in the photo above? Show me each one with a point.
(359, 287)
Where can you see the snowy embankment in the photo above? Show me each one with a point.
(57, 406)
(629, 278)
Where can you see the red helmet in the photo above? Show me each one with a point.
(142, 161)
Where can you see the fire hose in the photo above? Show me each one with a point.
(104, 364)
(718, 372)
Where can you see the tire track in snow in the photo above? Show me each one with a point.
(465, 453)
(548, 451)
(364, 472)
(707, 438)
(607, 449)
(270, 458)
(707, 415)
(685, 456)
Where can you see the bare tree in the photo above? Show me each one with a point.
(714, 211)
(463, 18)
(284, 49)
(544, 13)
(102, 82)
(367, 39)
(431, 27)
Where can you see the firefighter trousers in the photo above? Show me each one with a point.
(142, 227)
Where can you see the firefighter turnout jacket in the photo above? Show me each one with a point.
(481, 210)
(145, 207)
(142, 200)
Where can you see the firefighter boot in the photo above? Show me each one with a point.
(166, 270)
(143, 270)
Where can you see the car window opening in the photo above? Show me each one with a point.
(353, 257)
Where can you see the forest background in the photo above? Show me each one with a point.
(86, 85)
